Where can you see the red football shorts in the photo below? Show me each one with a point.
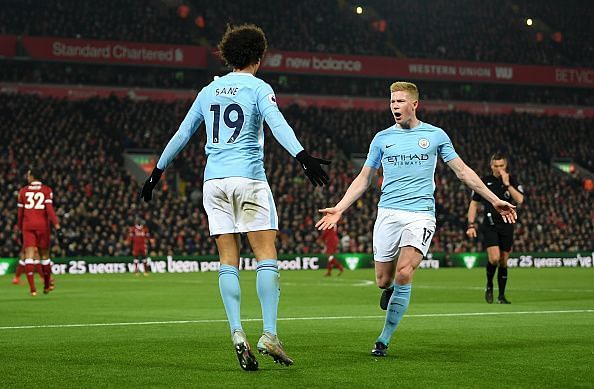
(331, 249)
(139, 252)
(36, 238)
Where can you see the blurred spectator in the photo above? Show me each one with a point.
(157, 77)
(137, 20)
(98, 200)
(493, 31)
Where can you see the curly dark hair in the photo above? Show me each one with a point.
(242, 46)
(36, 172)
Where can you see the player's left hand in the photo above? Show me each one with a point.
(330, 218)
(312, 167)
(59, 235)
(150, 183)
(506, 210)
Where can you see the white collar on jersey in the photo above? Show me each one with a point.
(35, 183)
(241, 74)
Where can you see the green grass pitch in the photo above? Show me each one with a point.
(169, 330)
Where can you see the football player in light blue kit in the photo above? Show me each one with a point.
(405, 222)
(236, 194)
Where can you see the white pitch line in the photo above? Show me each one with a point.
(144, 323)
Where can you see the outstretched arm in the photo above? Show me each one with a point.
(355, 190)
(470, 178)
(186, 129)
(285, 135)
(179, 140)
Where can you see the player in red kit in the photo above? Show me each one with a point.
(20, 265)
(35, 212)
(330, 239)
(20, 269)
(138, 236)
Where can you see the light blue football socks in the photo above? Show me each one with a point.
(267, 285)
(396, 308)
(231, 294)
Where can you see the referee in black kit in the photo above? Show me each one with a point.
(497, 235)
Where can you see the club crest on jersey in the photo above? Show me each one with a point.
(272, 98)
(424, 143)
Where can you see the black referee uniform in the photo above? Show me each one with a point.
(494, 230)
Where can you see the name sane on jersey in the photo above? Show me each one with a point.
(231, 91)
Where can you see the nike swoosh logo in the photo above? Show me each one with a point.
(151, 180)
(388, 146)
(489, 183)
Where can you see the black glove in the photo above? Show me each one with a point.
(150, 183)
(313, 169)
(60, 236)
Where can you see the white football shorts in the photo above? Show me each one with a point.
(395, 228)
(238, 204)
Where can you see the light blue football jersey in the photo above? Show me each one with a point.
(233, 108)
(408, 158)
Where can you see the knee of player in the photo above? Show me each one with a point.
(383, 281)
(404, 275)
(495, 260)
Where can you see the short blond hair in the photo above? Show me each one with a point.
(405, 86)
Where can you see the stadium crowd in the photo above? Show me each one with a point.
(492, 31)
(138, 20)
(432, 90)
(485, 31)
(31, 72)
(80, 143)
(170, 78)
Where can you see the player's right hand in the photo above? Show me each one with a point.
(312, 167)
(471, 232)
(506, 210)
(147, 190)
(330, 218)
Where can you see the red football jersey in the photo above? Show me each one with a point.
(138, 235)
(35, 207)
(330, 238)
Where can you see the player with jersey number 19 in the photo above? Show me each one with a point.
(237, 197)
(407, 151)
(35, 212)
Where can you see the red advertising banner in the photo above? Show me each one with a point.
(411, 69)
(86, 92)
(114, 52)
(139, 94)
(8, 45)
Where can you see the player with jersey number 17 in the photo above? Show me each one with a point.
(407, 151)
